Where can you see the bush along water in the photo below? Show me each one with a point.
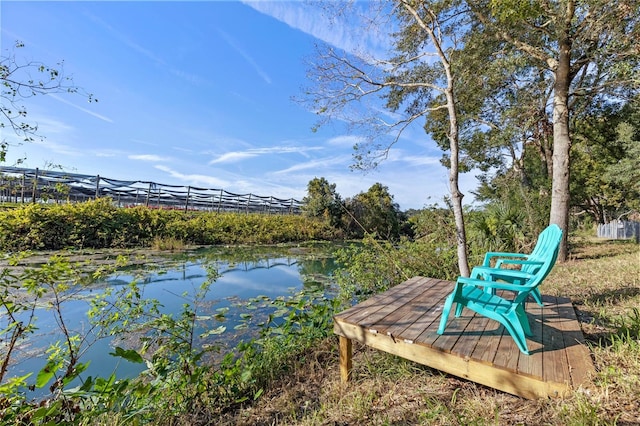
(100, 224)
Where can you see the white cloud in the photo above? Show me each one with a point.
(346, 140)
(126, 40)
(85, 110)
(195, 179)
(351, 32)
(320, 164)
(232, 157)
(235, 156)
(148, 157)
(233, 43)
(417, 160)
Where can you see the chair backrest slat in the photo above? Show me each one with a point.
(549, 241)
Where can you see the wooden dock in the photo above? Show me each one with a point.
(403, 321)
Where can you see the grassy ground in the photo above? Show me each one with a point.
(603, 280)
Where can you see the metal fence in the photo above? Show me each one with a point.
(22, 185)
(620, 230)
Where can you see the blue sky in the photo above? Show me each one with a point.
(200, 94)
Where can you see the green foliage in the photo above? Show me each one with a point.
(322, 201)
(374, 213)
(605, 166)
(100, 224)
(373, 266)
(186, 377)
(48, 286)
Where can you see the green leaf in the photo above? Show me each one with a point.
(47, 373)
(217, 330)
(128, 354)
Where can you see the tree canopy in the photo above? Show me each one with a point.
(497, 83)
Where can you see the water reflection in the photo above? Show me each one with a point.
(243, 273)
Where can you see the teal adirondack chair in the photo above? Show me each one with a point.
(529, 263)
(479, 296)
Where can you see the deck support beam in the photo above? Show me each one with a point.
(346, 362)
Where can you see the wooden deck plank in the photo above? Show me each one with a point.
(556, 367)
(473, 334)
(404, 320)
(384, 315)
(533, 364)
(370, 308)
(377, 300)
(580, 364)
(486, 349)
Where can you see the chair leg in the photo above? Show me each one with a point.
(445, 313)
(523, 320)
(535, 293)
(459, 308)
(515, 329)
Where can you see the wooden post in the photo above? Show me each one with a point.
(345, 359)
(23, 181)
(186, 205)
(97, 187)
(35, 187)
(148, 195)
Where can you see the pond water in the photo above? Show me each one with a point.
(242, 274)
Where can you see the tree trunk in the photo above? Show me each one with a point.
(456, 195)
(454, 145)
(560, 195)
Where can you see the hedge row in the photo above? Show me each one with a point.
(100, 224)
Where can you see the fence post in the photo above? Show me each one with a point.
(23, 182)
(97, 186)
(148, 195)
(220, 201)
(35, 187)
(186, 205)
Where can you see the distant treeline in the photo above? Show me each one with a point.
(101, 224)
(21, 185)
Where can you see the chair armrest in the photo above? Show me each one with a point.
(492, 284)
(500, 262)
(490, 255)
(499, 273)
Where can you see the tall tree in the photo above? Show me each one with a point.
(323, 201)
(375, 212)
(588, 50)
(23, 79)
(418, 81)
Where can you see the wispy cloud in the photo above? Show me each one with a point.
(127, 40)
(85, 110)
(320, 164)
(345, 140)
(350, 32)
(415, 160)
(194, 79)
(235, 156)
(233, 43)
(195, 179)
(149, 157)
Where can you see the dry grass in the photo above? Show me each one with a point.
(603, 281)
